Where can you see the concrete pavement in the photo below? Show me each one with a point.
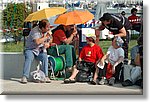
(13, 86)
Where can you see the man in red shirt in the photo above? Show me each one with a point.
(135, 20)
(90, 53)
(59, 38)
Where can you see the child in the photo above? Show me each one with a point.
(114, 58)
(90, 54)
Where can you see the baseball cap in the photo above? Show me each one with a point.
(106, 16)
(93, 36)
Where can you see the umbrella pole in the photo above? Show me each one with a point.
(24, 43)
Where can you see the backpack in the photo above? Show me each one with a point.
(125, 22)
(86, 70)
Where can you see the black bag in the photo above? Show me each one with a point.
(85, 70)
(26, 32)
(27, 26)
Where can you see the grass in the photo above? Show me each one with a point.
(105, 45)
(13, 47)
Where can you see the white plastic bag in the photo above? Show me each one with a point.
(38, 75)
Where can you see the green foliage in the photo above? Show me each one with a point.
(13, 18)
(14, 15)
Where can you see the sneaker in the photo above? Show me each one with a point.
(127, 83)
(139, 82)
(24, 80)
(102, 81)
(112, 81)
(47, 80)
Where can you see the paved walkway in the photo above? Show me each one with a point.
(13, 86)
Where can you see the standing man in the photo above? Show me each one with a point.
(118, 28)
(135, 20)
(60, 38)
(38, 40)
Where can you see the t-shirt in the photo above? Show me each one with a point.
(59, 36)
(91, 54)
(114, 26)
(114, 54)
(35, 33)
(134, 19)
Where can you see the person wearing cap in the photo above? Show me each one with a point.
(111, 62)
(63, 40)
(116, 26)
(90, 53)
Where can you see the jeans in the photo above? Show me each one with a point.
(69, 52)
(132, 73)
(134, 51)
(29, 56)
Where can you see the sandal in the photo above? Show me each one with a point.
(69, 81)
(94, 82)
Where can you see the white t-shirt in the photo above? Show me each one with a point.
(114, 54)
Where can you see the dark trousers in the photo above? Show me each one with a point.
(125, 45)
(118, 72)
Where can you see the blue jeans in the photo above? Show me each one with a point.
(29, 57)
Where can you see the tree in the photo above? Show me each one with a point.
(13, 18)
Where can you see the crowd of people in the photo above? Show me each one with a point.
(92, 65)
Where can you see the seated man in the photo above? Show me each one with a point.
(133, 73)
(36, 43)
(90, 54)
(114, 58)
(59, 38)
(135, 49)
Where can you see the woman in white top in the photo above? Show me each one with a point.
(113, 59)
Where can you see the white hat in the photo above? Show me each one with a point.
(91, 35)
